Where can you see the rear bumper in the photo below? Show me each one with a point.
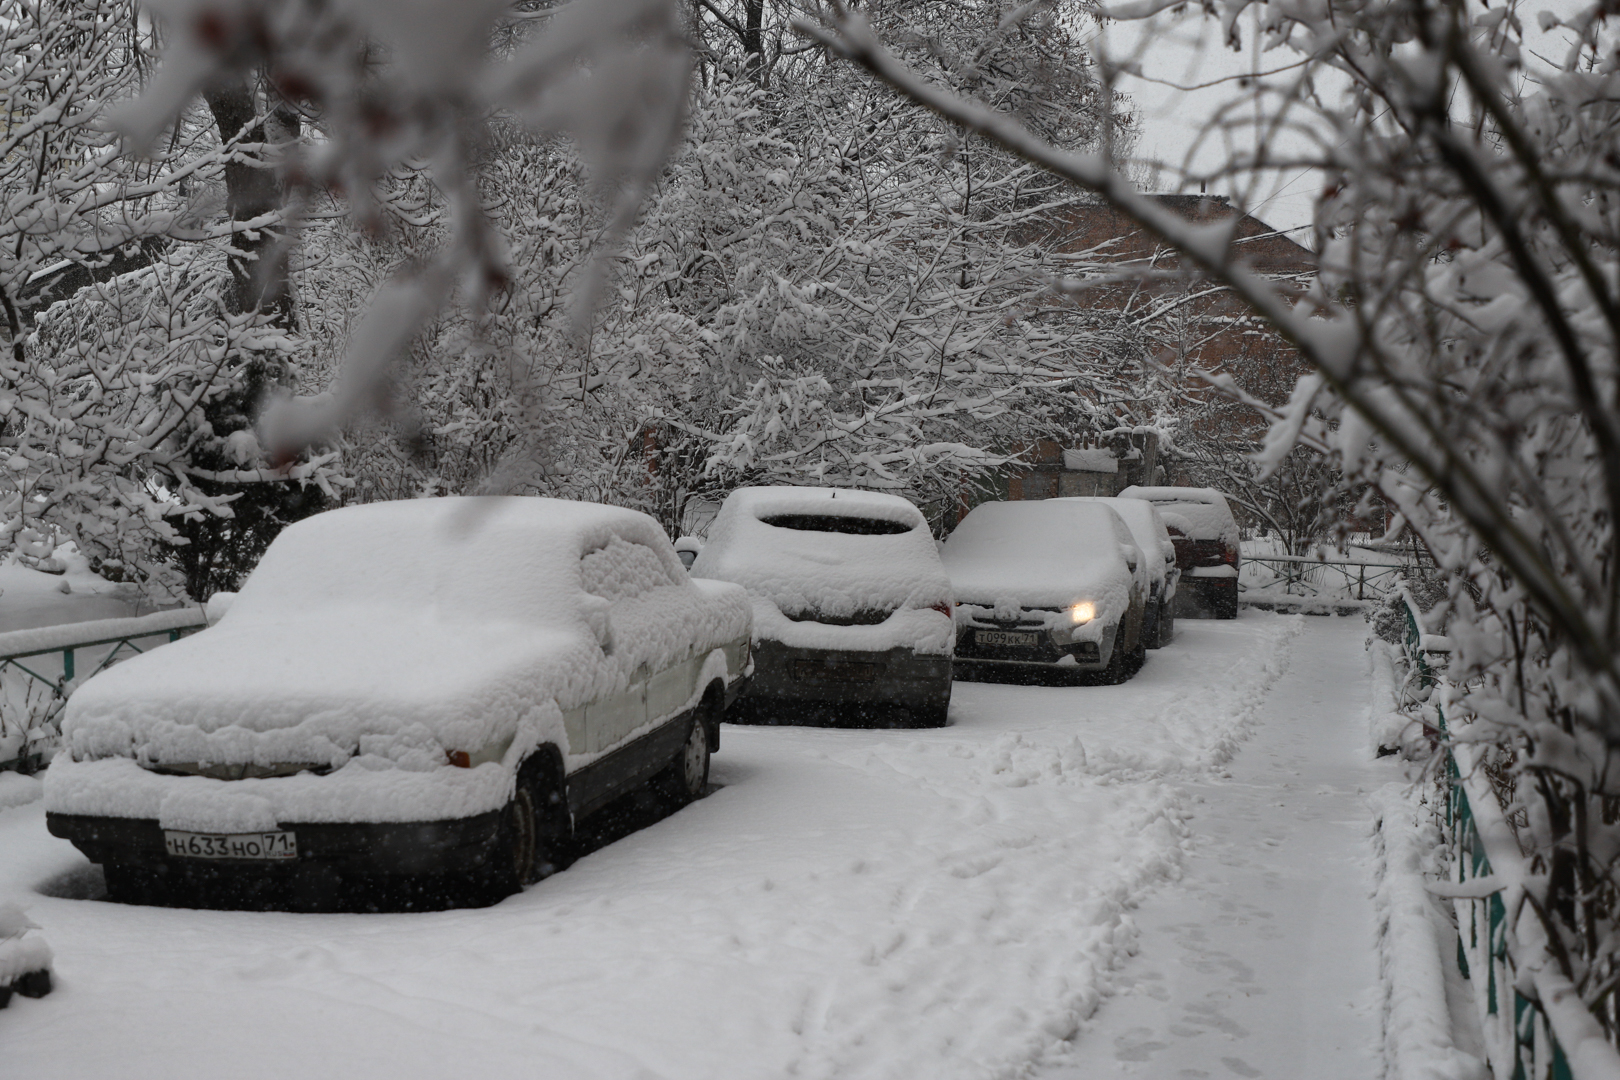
(460, 845)
(1200, 597)
(895, 676)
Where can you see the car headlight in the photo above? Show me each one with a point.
(1083, 612)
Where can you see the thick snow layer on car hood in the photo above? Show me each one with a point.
(396, 631)
(1050, 553)
(1204, 509)
(267, 692)
(831, 573)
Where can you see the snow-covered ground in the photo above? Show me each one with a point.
(950, 903)
(1260, 961)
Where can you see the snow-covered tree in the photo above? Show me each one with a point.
(126, 408)
(818, 287)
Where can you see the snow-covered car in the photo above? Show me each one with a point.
(852, 609)
(1153, 538)
(431, 687)
(1051, 585)
(1206, 538)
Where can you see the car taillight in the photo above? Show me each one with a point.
(459, 758)
(1230, 555)
(942, 607)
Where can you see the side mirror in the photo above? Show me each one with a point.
(1130, 556)
(687, 548)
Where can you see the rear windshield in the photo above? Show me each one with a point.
(833, 523)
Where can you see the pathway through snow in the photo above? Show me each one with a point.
(1261, 961)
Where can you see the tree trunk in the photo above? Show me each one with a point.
(753, 42)
(258, 264)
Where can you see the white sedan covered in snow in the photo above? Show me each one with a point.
(433, 687)
(852, 609)
(1053, 585)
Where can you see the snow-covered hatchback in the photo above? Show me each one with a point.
(435, 687)
(851, 605)
(1049, 587)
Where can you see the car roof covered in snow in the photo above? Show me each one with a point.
(1147, 527)
(1204, 509)
(836, 551)
(1045, 553)
(470, 558)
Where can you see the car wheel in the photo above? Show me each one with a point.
(1119, 667)
(1138, 656)
(517, 842)
(688, 774)
(1167, 625)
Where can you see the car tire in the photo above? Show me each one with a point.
(687, 774)
(516, 842)
(1166, 630)
(533, 841)
(1119, 668)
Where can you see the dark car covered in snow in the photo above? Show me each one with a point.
(852, 609)
(1205, 535)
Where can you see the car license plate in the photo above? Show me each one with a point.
(1005, 637)
(273, 846)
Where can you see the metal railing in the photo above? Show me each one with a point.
(1303, 575)
(1524, 1038)
(126, 637)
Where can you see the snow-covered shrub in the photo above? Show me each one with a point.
(30, 721)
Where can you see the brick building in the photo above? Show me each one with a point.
(1191, 325)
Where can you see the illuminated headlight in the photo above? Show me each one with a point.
(1083, 612)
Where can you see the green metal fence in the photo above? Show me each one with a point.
(31, 654)
(1520, 1043)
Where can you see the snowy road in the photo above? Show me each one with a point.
(938, 904)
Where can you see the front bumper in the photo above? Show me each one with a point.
(1085, 655)
(894, 676)
(456, 846)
